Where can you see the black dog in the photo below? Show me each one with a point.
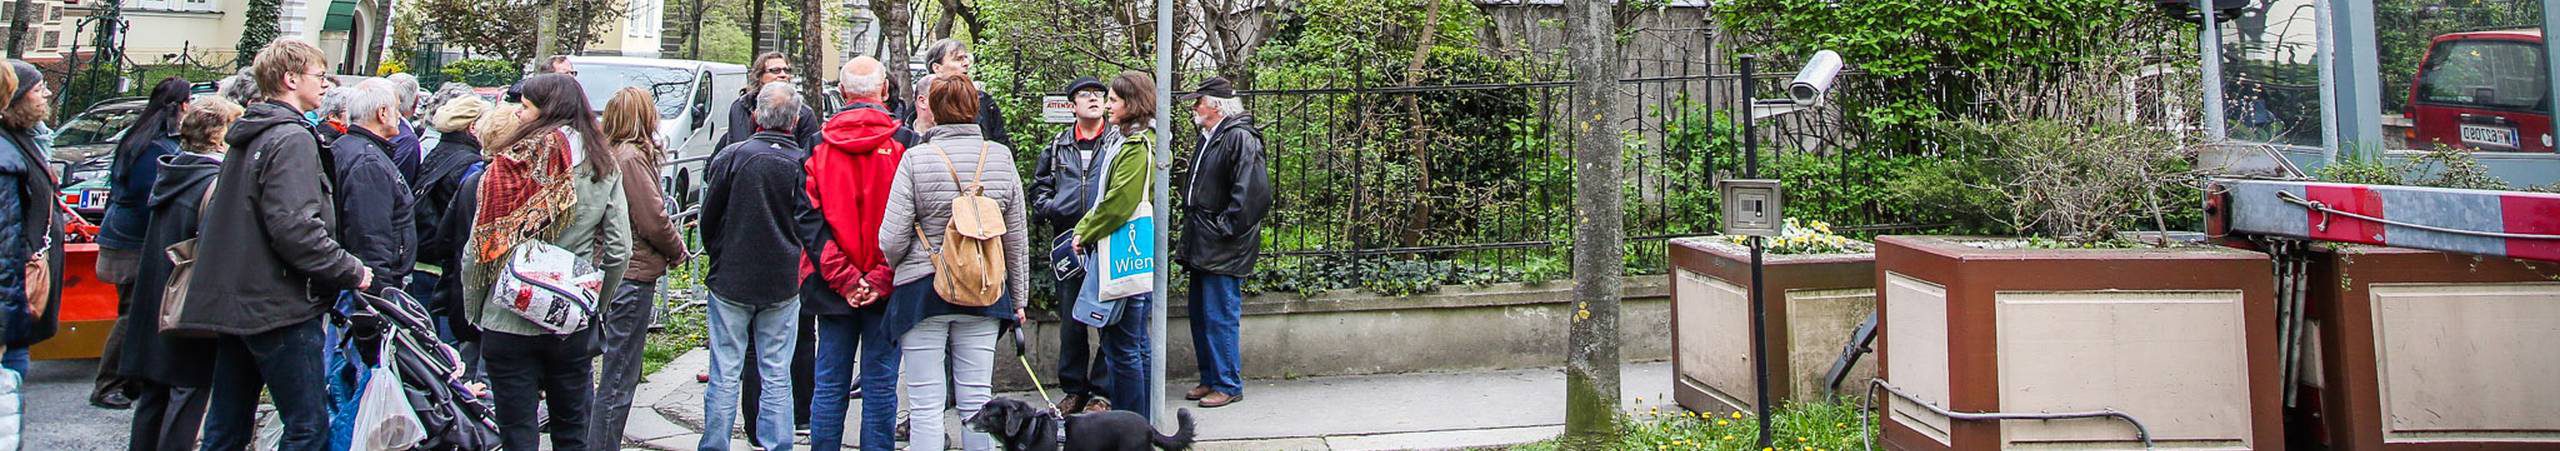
(1025, 428)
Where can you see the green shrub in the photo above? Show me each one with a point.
(483, 72)
(1831, 425)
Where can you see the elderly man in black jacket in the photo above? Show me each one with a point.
(1222, 210)
(377, 211)
(275, 267)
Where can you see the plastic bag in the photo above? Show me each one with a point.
(385, 421)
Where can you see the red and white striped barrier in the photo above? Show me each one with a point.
(2514, 224)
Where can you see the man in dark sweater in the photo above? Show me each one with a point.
(753, 228)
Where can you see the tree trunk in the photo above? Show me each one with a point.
(813, 45)
(1418, 138)
(895, 21)
(546, 35)
(1591, 360)
(755, 32)
(693, 34)
(18, 29)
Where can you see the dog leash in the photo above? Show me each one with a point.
(1025, 358)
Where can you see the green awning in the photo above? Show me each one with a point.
(342, 16)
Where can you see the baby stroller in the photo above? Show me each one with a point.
(430, 372)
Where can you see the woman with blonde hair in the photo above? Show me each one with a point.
(631, 127)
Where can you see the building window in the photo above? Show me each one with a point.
(53, 38)
(198, 5)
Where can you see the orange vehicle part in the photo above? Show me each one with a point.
(88, 309)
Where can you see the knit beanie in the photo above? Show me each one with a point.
(28, 78)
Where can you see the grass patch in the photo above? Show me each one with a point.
(685, 328)
(1809, 426)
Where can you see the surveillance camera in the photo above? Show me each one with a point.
(1816, 78)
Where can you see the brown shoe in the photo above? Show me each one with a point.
(1216, 400)
(1197, 392)
(1070, 404)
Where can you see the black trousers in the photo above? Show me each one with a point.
(528, 369)
(166, 418)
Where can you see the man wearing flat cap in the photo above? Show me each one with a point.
(1222, 210)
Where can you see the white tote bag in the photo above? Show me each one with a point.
(548, 286)
(1127, 258)
(385, 421)
(12, 415)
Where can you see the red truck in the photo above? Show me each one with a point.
(2482, 90)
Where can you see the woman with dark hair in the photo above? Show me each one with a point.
(170, 373)
(551, 179)
(137, 165)
(1119, 194)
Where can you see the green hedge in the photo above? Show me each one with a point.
(483, 72)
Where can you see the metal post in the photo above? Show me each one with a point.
(1759, 308)
(2211, 41)
(1164, 228)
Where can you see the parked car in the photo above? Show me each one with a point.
(693, 100)
(84, 151)
(2484, 90)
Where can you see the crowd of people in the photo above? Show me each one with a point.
(872, 254)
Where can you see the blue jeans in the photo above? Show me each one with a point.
(15, 360)
(771, 327)
(1125, 356)
(1217, 315)
(287, 363)
(879, 380)
(839, 341)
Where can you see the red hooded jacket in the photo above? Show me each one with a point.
(849, 176)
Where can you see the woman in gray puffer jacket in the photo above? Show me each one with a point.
(928, 328)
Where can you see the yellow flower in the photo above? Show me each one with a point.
(1723, 422)
(1737, 415)
(1728, 437)
(1802, 440)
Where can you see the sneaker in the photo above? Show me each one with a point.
(1197, 392)
(1216, 400)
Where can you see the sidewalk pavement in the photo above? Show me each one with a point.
(1405, 411)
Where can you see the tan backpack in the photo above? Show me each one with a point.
(969, 270)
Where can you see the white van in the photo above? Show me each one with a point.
(693, 101)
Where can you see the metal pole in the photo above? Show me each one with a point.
(1164, 228)
(1759, 307)
(2212, 82)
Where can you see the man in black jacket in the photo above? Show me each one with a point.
(1222, 212)
(1061, 191)
(376, 210)
(276, 269)
(754, 225)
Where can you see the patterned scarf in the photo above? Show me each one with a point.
(526, 186)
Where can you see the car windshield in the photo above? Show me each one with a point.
(96, 127)
(671, 86)
(2485, 74)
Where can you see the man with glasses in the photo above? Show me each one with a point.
(277, 265)
(1061, 191)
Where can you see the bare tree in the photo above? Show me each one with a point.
(895, 40)
(1233, 31)
(1591, 357)
(18, 29)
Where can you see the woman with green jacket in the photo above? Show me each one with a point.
(1124, 191)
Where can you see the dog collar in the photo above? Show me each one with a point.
(1061, 430)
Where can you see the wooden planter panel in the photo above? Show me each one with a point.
(2425, 350)
(2182, 339)
(1817, 303)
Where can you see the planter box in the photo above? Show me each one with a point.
(2182, 339)
(1815, 304)
(1346, 332)
(2428, 350)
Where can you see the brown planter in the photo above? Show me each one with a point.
(2426, 350)
(2182, 339)
(1816, 303)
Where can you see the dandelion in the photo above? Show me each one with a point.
(1728, 438)
(1802, 440)
(1737, 415)
(1723, 423)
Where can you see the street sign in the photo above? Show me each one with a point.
(1752, 207)
(1057, 110)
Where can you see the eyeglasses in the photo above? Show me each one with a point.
(1095, 95)
(777, 70)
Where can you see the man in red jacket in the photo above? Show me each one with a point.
(849, 175)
